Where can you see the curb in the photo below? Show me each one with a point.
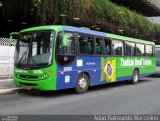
(8, 91)
(6, 80)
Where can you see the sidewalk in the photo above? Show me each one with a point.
(7, 87)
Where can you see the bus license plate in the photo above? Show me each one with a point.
(27, 88)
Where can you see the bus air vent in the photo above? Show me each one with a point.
(28, 77)
(27, 84)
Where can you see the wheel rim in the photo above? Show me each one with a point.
(82, 83)
(136, 77)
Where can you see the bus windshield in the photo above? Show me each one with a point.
(34, 49)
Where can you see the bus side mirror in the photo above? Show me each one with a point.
(64, 41)
(11, 37)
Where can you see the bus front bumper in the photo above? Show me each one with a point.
(46, 84)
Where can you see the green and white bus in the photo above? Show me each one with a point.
(61, 57)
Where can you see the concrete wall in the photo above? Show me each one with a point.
(6, 58)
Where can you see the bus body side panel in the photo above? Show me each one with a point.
(148, 68)
(126, 66)
(103, 70)
(67, 76)
(108, 69)
(121, 68)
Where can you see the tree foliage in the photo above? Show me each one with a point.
(108, 16)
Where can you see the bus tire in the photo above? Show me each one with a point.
(82, 84)
(135, 77)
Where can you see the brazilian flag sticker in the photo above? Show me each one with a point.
(109, 70)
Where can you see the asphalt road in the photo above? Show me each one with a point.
(117, 98)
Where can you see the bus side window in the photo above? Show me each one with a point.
(107, 46)
(90, 45)
(82, 44)
(139, 49)
(130, 49)
(99, 46)
(65, 53)
(149, 50)
(86, 44)
(118, 47)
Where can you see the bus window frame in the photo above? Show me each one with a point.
(153, 51)
(54, 42)
(78, 44)
(123, 52)
(75, 54)
(63, 35)
(141, 53)
(134, 48)
(103, 46)
(153, 48)
(110, 39)
(94, 39)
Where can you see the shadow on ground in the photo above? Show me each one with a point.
(155, 76)
(66, 92)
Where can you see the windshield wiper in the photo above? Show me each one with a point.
(33, 61)
(21, 59)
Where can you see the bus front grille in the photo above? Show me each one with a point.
(28, 77)
(27, 84)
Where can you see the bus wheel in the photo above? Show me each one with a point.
(135, 77)
(82, 84)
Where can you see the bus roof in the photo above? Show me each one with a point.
(66, 28)
(114, 36)
(86, 31)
